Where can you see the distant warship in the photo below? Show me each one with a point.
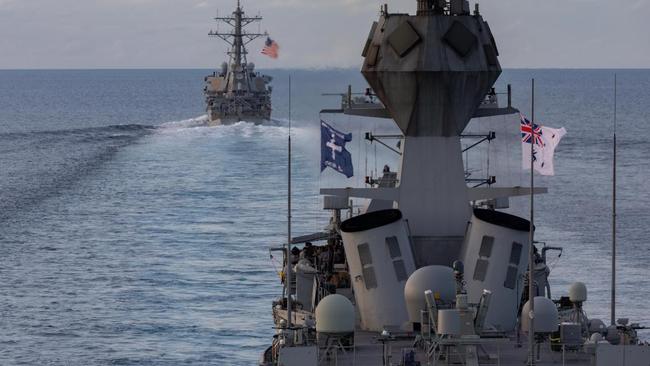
(236, 92)
(431, 271)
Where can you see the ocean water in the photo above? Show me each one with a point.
(131, 234)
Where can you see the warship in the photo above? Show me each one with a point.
(433, 271)
(237, 92)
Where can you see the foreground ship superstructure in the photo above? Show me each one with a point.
(237, 92)
(431, 273)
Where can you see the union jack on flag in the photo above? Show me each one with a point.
(271, 48)
(527, 133)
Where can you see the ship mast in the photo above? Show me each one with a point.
(531, 250)
(289, 276)
(238, 38)
(613, 294)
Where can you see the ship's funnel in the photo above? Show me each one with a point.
(431, 70)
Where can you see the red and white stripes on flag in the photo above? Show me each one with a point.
(271, 48)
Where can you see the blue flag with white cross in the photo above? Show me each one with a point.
(332, 150)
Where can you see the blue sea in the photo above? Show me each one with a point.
(132, 234)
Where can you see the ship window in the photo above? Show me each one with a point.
(486, 246)
(400, 270)
(393, 247)
(515, 253)
(480, 271)
(364, 254)
(511, 277)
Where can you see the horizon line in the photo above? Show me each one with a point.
(136, 68)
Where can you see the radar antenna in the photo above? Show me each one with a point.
(238, 38)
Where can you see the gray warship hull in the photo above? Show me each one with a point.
(237, 92)
(226, 110)
(430, 271)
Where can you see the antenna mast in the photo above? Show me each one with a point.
(613, 306)
(531, 254)
(289, 239)
(238, 38)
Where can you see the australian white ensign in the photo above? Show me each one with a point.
(544, 140)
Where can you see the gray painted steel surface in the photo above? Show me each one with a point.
(432, 71)
(237, 92)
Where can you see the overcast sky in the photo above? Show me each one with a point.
(311, 33)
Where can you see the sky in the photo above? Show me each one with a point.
(72, 34)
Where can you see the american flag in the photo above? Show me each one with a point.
(271, 48)
(527, 133)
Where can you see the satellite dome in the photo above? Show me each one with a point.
(578, 292)
(335, 314)
(546, 316)
(439, 279)
(251, 66)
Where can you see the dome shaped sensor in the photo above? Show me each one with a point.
(578, 292)
(546, 316)
(439, 279)
(335, 315)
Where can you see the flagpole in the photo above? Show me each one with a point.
(613, 306)
(531, 254)
(289, 264)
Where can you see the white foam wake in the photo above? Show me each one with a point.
(200, 126)
(201, 121)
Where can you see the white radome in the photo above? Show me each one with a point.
(439, 279)
(335, 315)
(578, 292)
(546, 316)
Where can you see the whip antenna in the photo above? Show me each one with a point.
(289, 276)
(613, 306)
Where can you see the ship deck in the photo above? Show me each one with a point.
(369, 349)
